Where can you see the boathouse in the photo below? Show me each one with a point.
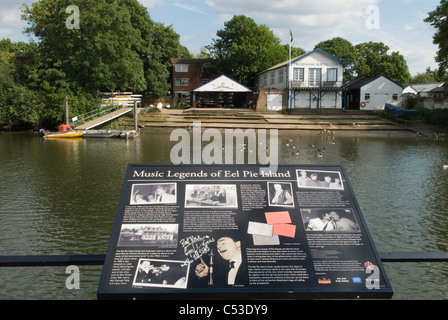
(373, 93)
(312, 81)
(221, 92)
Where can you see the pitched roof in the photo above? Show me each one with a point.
(222, 84)
(426, 87)
(361, 82)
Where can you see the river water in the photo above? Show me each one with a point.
(60, 197)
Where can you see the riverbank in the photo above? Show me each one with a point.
(306, 121)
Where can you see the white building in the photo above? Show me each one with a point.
(313, 80)
(425, 90)
(373, 93)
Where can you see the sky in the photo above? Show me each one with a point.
(397, 23)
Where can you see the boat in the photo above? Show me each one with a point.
(64, 132)
(101, 133)
(129, 134)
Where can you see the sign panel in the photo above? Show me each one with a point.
(238, 232)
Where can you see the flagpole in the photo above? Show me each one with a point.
(289, 72)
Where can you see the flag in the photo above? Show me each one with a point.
(290, 35)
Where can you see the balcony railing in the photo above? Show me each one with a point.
(314, 84)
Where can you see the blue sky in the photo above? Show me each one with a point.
(397, 23)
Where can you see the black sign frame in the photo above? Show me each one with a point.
(171, 244)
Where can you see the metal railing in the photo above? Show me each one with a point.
(96, 114)
(316, 84)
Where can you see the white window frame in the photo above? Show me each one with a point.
(280, 76)
(298, 74)
(181, 67)
(181, 82)
(315, 77)
(332, 74)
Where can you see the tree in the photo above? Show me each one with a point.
(343, 50)
(439, 20)
(117, 46)
(374, 60)
(97, 56)
(244, 48)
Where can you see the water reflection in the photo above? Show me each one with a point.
(60, 197)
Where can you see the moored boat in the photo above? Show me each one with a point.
(64, 132)
(129, 134)
(101, 133)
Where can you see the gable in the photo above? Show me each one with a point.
(316, 57)
(222, 84)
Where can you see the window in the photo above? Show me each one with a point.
(315, 77)
(181, 67)
(280, 76)
(332, 74)
(395, 97)
(265, 79)
(181, 82)
(299, 74)
(272, 77)
(367, 96)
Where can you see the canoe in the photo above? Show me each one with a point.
(101, 133)
(63, 134)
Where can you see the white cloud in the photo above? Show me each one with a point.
(150, 3)
(191, 8)
(11, 17)
(310, 20)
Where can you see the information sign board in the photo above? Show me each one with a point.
(240, 232)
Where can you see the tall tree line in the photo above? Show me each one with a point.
(116, 47)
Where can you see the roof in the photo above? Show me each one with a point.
(361, 82)
(188, 61)
(222, 84)
(302, 57)
(426, 87)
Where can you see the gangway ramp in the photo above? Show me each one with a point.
(103, 119)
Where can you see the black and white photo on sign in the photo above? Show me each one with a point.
(316, 179)
(161, 273)
(329, 220)
(153, 193)
(280, 194)
(211, 195)
(157, 235)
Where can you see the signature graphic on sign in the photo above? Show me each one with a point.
(196, 246)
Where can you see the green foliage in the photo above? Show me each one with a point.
(244, 48)
(437, 117)
(369, 59)
(343, 50)
(374, 60)
(117, 47)
(439, 20)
